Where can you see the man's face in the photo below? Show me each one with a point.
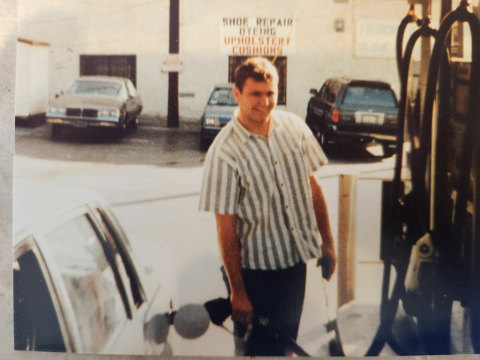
(257, 100)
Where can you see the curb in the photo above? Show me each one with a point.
(185, 124)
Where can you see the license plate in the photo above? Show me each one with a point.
(80, 124)
(369, 119)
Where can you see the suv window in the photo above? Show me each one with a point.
(323, 91)
(334, 90)
(89, 280)
(362, 95)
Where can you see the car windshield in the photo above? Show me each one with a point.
(95, 88)
(222, 97)
(361, 95)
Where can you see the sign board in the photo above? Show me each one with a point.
(376, 38)
(258, 36)
(172, 63)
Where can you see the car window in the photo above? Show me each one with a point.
(325, 91)
(336, 86)
(95, 88)
(131, 89)
(361, 95)
(223, 97)
(89, 280)
(321, 92)
(35, 319)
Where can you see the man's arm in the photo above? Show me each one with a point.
(230, 250)
(329, 258)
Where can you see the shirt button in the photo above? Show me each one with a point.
(276, 162)
(286, 207)
(293, 229)
(281, 184)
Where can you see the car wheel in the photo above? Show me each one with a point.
(323, 139)
(120, 130)
(57, 131)
(204, 143)
(135, 123)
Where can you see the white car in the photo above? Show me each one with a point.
(96, 102)
(77, 284)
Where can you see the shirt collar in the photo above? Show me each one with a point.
(244, 134)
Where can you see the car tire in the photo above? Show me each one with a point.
(204, 143)
(120, 130)
(57, 131)
(323, 139)
(133, 124)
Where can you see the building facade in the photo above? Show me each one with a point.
(309, 41)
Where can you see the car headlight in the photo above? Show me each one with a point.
(212, 122)
(110, 113)
(57, 110)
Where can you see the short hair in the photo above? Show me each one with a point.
(256, 68)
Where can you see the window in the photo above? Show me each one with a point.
(222, 97)
(82, 87)
(359, 95)
(281, 65)
(131, 90)
(92, 285)
(110, 65)
(36, 325)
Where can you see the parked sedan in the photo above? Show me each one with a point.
(354, 112)
(218, 112)
(77, 284)
(96, 101)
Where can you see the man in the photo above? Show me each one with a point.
(270, 211)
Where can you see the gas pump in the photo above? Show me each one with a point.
(430, 235)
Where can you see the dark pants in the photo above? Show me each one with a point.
(277, 296)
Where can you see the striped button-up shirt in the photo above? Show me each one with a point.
(265, 182)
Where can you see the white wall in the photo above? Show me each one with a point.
(140, 27)
(31, 96)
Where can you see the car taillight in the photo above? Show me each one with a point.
(336, 115)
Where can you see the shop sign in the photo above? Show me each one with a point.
(172, 63)
(376, 38)
(260, 36)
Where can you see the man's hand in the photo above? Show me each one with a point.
(227, 239)
(327, 261)
(242, 310)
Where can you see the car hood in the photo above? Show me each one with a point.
(219, 111)
(72, 100)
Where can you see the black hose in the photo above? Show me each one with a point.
(389, 307)
(471, 133)
(409, 18)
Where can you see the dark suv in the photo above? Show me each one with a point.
(354, 112)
